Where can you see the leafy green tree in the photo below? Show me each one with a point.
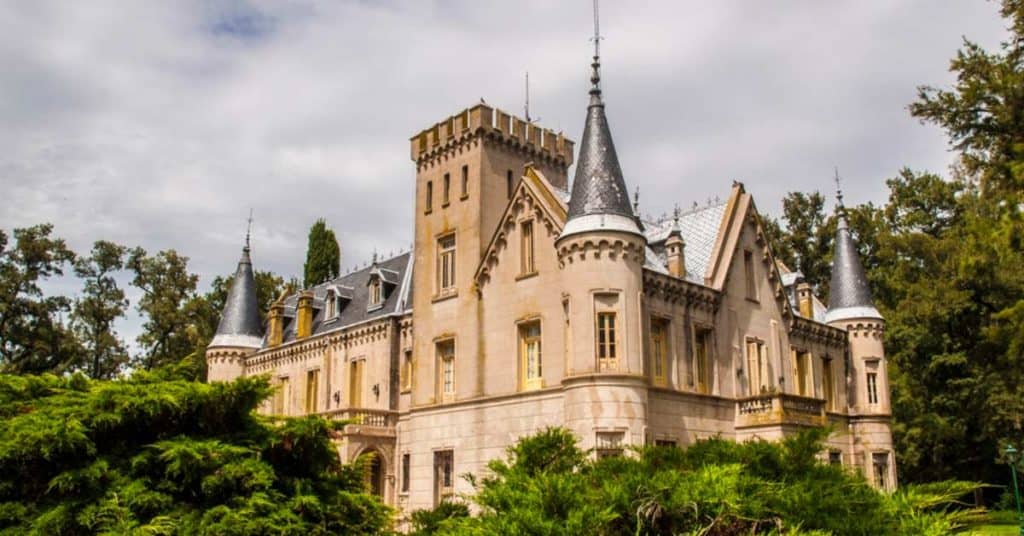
(158, 454)
(169, 304)
(33, 338)
(323, 255)
(102, 302)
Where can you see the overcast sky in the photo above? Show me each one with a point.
(161, 123)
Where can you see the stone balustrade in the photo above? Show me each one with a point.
(779, 409)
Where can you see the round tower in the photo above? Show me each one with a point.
(851, 308)
(240, 332)
(601, 255)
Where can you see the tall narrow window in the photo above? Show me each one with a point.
(827, 384)
(508, 184)
(872, 384)
(312, 391)
(880, 461)
(406, 372)
(281, 396)
(446, 192)
(430, 196)
(355, 384)
(405, 472)
(446, 366)
(802, 372)
(376, 296)
(659, 352)
(757, 362)
(526, 248)
(330, 305)
(444, 473)
(702, 366)
(446, 263)
(606, 356)
(750, 275)
(530, 354)
(465, 182)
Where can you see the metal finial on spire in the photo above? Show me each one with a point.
(248, 230)
(675, 216)
(839, 188)
(636, 200)
(595, 77)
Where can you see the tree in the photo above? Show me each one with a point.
(169, 304)
(323, 256)
(804, 241)
(33, 338)
(158, 454)
(102, 302)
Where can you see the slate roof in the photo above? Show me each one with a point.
(849, 292)
(240, 323)
(699, 228)
(353, 287)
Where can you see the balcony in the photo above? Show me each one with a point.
(779, 409)
(365, 421)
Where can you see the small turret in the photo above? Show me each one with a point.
(849, 293)
(240, 332)
(675, 248)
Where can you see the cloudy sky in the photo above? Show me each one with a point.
(161, 123)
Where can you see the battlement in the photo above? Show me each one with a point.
(493, 123)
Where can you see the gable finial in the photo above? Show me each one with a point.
(595, 77)
(248, 230)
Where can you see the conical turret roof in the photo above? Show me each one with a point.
(849, 293)
(599, 198)
(240, 324)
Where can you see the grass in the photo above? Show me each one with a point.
(998, 524)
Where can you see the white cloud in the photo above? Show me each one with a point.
(160, 124)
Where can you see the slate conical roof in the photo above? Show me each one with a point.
(849, 293)
(240, 324)
(599, 198)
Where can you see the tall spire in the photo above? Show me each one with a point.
(849, 292)
(240, 324)
(600, 198)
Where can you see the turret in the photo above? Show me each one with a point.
(850, 308)
(675, 249)
(601, 255)
(240, 332)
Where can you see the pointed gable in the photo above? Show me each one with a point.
(533, 195)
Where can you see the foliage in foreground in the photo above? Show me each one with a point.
(715, 487)
(156, 454)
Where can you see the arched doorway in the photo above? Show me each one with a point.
(375, 474)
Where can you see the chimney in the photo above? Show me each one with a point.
(304, 315)
(275, 323)
(805, 299)
(676, 250)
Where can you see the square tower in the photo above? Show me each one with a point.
(467, 167)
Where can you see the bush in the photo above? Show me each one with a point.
(547, 485)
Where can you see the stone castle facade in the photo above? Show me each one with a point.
(523, 305)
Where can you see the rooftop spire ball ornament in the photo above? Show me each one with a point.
(595, 77)
(248, 230)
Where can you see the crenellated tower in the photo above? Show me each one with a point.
(601, 256)
(851, 308)
(240, 332)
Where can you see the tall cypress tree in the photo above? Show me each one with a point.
(323, 256)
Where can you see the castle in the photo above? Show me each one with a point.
(523, 306)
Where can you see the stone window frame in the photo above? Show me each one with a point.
(440, 360)
(442, 290)
(609, 345)
(763, 361)
(697, 330)
(443, 483)
(527, 248)
(311, 404)
(665, 358)
(525, 382)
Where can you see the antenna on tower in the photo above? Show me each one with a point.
(527, 107)
(248, 230)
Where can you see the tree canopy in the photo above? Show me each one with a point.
(159, 454)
